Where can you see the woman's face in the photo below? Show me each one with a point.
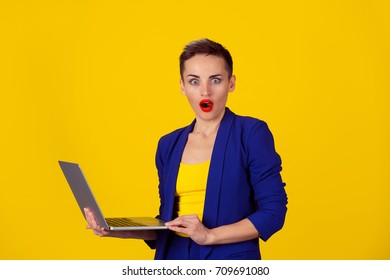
(206, 84)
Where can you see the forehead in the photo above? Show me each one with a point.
(205, 64)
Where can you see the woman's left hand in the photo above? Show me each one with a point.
(193, 227)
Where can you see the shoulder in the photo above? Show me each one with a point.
(167, 144)
(248, 121)
(172, 136)
(171, 140)
(248, 124)
(253, 133)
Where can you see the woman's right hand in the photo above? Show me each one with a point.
(96, 228)
(102, 232)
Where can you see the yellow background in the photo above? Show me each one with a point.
(97, 82)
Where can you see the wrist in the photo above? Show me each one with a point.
(211, 238)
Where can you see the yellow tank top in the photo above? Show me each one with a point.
(191, 188)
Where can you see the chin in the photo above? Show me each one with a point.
(213, 114)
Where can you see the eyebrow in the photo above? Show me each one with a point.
(192, 75)
(212, 76)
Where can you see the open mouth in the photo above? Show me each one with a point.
(206, 105)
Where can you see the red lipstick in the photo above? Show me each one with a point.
(206, 105)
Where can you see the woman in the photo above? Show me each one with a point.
(220, 185)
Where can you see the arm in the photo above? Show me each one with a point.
(102, 232)
(233, 233)
(264, 166)
(268, 186)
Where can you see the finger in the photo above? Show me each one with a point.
(92, 224)
(183, 220)
(102, 232)
(87, 214)
(178, 222)
(90, 217)
(178, 229)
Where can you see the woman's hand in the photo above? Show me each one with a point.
(193, 227)
(102, 232)
(96, 228)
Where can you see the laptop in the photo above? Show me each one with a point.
(85, 199)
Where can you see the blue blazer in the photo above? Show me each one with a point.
(243, 182)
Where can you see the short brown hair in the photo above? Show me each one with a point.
(207, 47)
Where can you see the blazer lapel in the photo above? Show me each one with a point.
(210, 214)
(215, 173)
(211, 205)
(170, 188)
(173, 171)
(214, 181)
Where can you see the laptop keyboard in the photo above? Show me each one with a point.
(122, 222)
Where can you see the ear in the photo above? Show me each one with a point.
(232, 83)
(182, 88)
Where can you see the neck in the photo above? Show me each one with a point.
(208, 127)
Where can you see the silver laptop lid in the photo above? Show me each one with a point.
(81, 190)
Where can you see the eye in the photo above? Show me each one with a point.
(193, 81)
(215, 80)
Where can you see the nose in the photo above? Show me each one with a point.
(205, 91)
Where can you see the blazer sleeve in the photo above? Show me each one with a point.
(159, 165)
(268, 187)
